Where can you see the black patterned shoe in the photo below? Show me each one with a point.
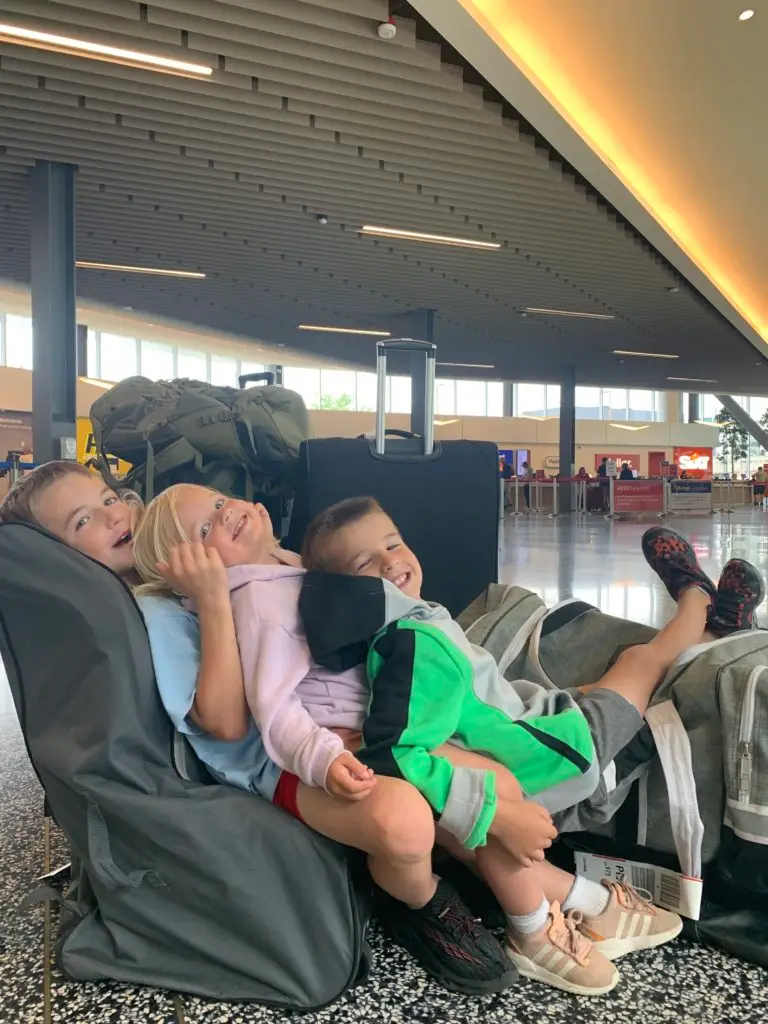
(740, 592)
(674, 561)
(449, 943)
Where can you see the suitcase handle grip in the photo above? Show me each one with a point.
(429, 351)
(248, 378)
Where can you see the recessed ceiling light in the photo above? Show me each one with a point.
(96, 383)
(344, 330)
(471, 366)
(98, 51)
(569, 312)
(695, 380)
(644, 355)
(421, 236)
(444, 423)
(627, 426)
(157, 271)
(746, 15)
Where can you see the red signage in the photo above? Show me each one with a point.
(638, 496)
(695, 462)
(633, 461)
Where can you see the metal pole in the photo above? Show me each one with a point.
(422, 328)
(54, 323)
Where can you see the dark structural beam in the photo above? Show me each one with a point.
(567, 434)
(54, 324)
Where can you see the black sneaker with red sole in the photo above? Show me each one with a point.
(740, 593)
(451, 945)
(674, 561)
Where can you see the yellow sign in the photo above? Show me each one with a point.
(86, 448)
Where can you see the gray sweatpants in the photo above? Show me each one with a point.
(623, 745)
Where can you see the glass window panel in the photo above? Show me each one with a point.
(366, 392)
(588, 403)
(92, 354)
(337, 390)
(157, 360)
(306, 382)
(709, 407)
(119, 357)
(223, 371)
(531, 400)
(553, 399)
(192, 365)
(400, 394)
(470, 398)
(445, 397)
(18, 341)
(615, 403)
(248, 367)
(495, 398)
(641, 405)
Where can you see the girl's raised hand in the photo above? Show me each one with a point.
(195, 571)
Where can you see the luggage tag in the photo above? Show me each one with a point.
(668, 889)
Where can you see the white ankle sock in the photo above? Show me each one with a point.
(528, 924)
(589, 897)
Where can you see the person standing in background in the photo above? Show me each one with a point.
(528, 475)
(602, 472)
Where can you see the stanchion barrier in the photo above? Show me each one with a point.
(514, 489)
(554, 514)
(726, 493)
(635, 497)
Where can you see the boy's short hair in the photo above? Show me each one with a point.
(17, 506)
(328, 523)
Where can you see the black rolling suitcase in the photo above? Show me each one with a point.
(444, 496)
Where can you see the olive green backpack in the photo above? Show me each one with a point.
(241, 442)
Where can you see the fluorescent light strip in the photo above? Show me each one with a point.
(627, 426)
(471, 366)
(157, 271)
(99, 51)
(569, 312)
(694, 380)
(421, 236)
(644, 355)
(344, 330)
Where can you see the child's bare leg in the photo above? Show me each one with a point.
(639, 670)
(393, 825)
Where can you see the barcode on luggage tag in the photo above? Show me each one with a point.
(667, 889)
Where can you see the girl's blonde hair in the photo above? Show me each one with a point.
(159, 530)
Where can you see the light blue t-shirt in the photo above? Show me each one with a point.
(174, 638)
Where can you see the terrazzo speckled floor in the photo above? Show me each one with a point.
(680, 983)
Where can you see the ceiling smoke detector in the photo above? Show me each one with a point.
(387, 29)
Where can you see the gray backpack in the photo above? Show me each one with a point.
(241, 442)
(700, 807)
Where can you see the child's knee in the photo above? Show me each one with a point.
(403, 824)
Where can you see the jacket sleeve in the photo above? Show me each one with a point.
(419, 680)
(274, 663)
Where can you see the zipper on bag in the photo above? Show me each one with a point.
(746, 730)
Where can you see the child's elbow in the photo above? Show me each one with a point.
(230, 732)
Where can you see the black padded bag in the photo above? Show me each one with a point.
(198, 888)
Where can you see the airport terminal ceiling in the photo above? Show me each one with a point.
(304, 127)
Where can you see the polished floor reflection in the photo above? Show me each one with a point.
(601, 562)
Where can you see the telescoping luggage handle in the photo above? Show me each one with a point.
(249, 378)
(429, 351)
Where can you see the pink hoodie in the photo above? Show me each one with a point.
(293, 700)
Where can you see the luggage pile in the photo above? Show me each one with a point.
(244, 443)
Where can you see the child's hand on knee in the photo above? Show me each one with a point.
(525, 830)
(349, 778)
